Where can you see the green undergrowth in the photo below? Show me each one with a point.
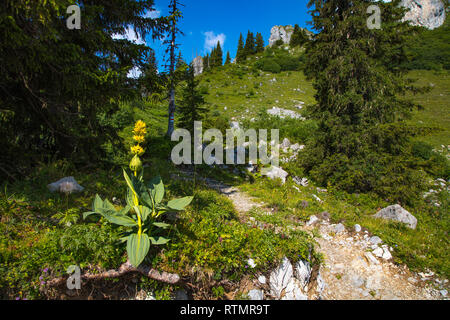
(423, 248)
(208, 242)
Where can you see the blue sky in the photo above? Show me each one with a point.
(207, 21)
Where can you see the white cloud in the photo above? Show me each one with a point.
(129, 35)
(153, 14)
(211, 40)
(134, 73)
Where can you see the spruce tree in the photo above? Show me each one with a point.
(218, 58)
(192, 103)
(240, 55)
(206, 62)
(259, 43)
(249, 48)
(228, 59)
(299, 37)
(361, 144)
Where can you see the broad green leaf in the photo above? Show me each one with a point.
(179, 204)
(145, 212)
(98, 203)
(108, 206)
(156, 188)
(129, 181)
(87, 214)
(129, 198)
(120, 220)
(137, 248)
(161, 225)
(159, 241)
(125, 210)
(124, 239)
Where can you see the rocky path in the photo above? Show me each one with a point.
(356, 266)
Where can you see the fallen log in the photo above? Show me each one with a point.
(124, 269)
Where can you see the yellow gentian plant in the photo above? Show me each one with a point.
(144, 205)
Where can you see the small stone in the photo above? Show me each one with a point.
(375, 240)
(262, 279)
(378, 252)
(444, 292)
(312, 220)
(256, 294)
(386, 254)
(339, 228)
(357, 228)
(371, 258)
(251, 263)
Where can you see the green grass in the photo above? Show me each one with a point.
(435, 103)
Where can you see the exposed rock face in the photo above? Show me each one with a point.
(281, 33)
(65, 185)
(426, 13)
(397, 213)
(198, 65)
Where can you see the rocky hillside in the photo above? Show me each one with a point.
(426, 13)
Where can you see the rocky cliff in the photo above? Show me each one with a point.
(281, 33)
(197, 63)
(426, 13)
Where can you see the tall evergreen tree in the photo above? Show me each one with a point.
(259, 43)
(59, 85)
(228, 58)
(206, 62)
(192, 103)
(249, 48)
(361, 144)
(240, 55)
(175, 13)
(218, 58)
(299, 37)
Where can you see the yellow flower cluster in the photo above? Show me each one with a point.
(140, 128)
(139, 131)
(137, 150)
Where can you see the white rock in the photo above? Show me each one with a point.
(283, 33)
(275, 172)
(66, 185)
(397, 213)
(444, 292)
(312, 220)
(317, 198)
(251, 263)
(256, 294)
(262, 279)
(339, 228)
(378, 252)
(301, 181)
(357, 228)
(426, 13)
(293, 291)
(371, 258)
(283, 113)
(375, 240)
(386, 254)
(198, 65)
(280, 278)
(303, 272)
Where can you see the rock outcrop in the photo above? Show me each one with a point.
(397, 213)
(281, 33)
(197, 63)
(426, 13)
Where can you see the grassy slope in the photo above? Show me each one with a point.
(436, 104)
(423, 248)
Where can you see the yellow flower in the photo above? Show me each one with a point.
(137, 150)
(139, 139)
(140, 128)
